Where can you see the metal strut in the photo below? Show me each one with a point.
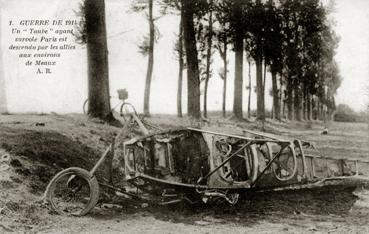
(224, 162)
(268, 165)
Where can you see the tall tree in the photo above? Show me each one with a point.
(146, 48)
(193, 76)
(168, 6)
(222, 36)
(298, 31)
(223, 50)
(150, 64)
(209, 45)
(179, 48)
(257, 25)
(237, 24)
(312, 19)
(223, 74)
(249, 87)
(290, 57)
(273, 51)
(97, 59)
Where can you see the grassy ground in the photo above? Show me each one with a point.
(41, 145)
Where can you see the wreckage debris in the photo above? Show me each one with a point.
(194, 165)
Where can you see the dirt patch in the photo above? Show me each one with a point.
(274, 205)
(39, 152)
(46, 147)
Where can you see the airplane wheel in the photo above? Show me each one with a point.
(126, 109)
(285, 166)
(254, 163)
(85, 106)
(73, 192)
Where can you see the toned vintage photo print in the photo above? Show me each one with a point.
(184, 116)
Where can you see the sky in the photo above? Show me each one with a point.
(65, 89)
(352, 25)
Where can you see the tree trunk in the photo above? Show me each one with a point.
(3, 100)
(309, 107)
(264, 78)
(306, 104)
(97, 59)
(260, 112)
(276, 107)
(238, 47)
(301, 102)
(150, 64)
(304, 107)
(313, 107)
(225, 74)
(297, 101)
(281, 97)
(329, 111)
(250, 89)
(208, 61)
(290, 98)
(263, 90)
(180, 71)
(319, 108)
(272, 113)
(193, 79)
(237, 100)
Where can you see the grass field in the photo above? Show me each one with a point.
(41, 145)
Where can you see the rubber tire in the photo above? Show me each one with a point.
(255, 163)
(92, 182)
(121, 110)
(85, 106)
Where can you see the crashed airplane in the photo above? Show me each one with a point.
(191, 164)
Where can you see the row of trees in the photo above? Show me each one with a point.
(293, 40)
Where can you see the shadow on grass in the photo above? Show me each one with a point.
(275, 206)
(46, 152)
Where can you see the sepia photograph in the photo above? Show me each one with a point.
(184, 116)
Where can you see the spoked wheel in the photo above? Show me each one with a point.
(85, 106)
(285, 166)
(73, 192)
(126, 109)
